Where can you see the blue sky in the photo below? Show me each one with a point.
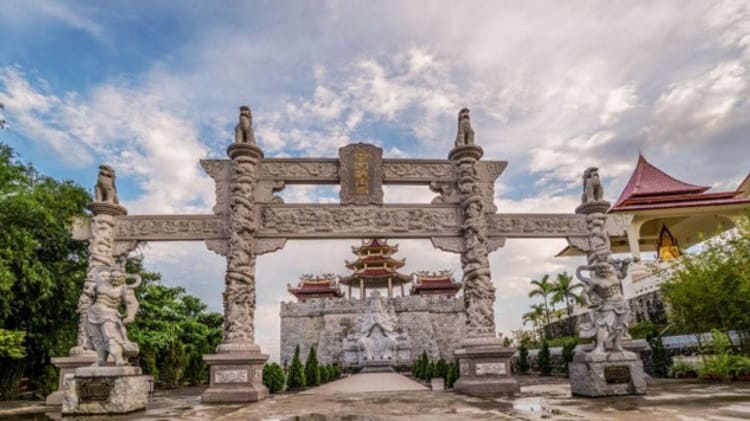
(554, 87)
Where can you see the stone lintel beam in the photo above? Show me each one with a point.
(326, 170)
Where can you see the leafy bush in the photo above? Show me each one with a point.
(682, 369)
(709, 289)
(296, 375)
(312, 374)
(336, 372)
(452, 376)
(173, 370)
(544, 360)
(273, 377)
(718, 364)
(11, 344)
(568, 351)
(660, 358)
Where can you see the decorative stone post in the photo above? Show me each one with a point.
(101, 236)
(237, 365)
(483, 361)
(606, 368)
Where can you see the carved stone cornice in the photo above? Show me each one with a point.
(170, 227)
(540, 225)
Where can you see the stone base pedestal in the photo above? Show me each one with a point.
(235, 377)
(484, 365)
(105, 390)
(607, 374)
(384, 366)
(67, 366)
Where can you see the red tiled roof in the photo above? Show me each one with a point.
(376, 259)
(651, 188)
(647, 180)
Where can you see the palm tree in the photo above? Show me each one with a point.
(544, 288)
(534, 316)
(565, 291)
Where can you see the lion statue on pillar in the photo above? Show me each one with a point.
(105, 190)
(465, 135)
(592, 186)
(243, 132)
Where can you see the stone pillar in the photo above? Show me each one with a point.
(390, 288)
(101, 237)
(236, 367)
(402, 290)
(484, 362)
(361, 289)
(350, 290)
(607, 368)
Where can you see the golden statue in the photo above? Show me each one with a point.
(667, 248)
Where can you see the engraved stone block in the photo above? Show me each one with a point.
(230, 376)
(361, 174)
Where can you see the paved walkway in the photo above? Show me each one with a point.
(368, 382)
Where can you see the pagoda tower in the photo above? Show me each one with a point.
(318, 286)
(435, 283)
(375, 267)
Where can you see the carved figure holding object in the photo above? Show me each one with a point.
(465, 135)
(243, 132)
(105, 190)
(104, 323)
(592, 186)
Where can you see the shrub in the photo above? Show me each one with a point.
(660, 358)
(430, 371)
(296, 375)
(441, 369)
(543, 359)
(174, 365)
(312, 374)
(273, 377)
(452, 376)
(682, 369)
(523, 358)
(568, 351)
(336, 372)
(718, 364)
(324, 374)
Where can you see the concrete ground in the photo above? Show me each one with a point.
(540, 398)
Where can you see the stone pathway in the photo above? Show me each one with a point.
(368, 382)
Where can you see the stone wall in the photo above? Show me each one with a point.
(435, 324)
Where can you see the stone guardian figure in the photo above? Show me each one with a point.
(243, 132)
(104, 323)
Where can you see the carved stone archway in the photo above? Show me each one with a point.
(248, 220)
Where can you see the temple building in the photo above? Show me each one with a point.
(375, 268)
(310, 286)
(435, 283)
(667, 216)
(367, 329)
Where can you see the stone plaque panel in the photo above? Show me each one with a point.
(490, 368)
(230, 376)
(94, 390)
(361, 174)
(170, 227)
(532, 225)
(617, 374)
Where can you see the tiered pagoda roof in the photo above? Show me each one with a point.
(318, 286)
(651, 188)
(375, 265)
(436, 283)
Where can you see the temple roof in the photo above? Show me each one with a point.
(375, 244)
(315, 287)
(652, 188)
(435, 283)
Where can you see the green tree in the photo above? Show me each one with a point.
(312, 374)
(441, 369)
(41, 269)
(543, 288)
(523, 358)
(452, 375)
(173, 329)
(565, 291)
(273, 377)
(710, 289)
(535, 317)
(544, 360)
(295, 377)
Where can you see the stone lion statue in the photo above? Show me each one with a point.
(243, 133)
(592, 186)
(465, 135)
(105, 190)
